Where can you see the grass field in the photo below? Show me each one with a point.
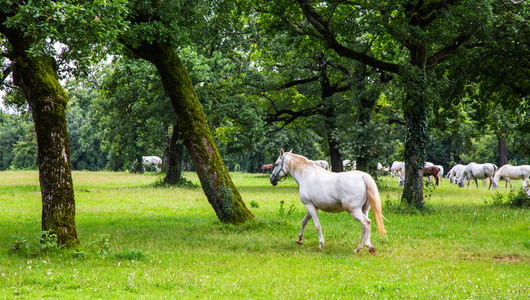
(144, 241)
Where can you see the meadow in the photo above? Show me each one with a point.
(144, 240)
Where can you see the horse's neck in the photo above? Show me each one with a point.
(298, 165)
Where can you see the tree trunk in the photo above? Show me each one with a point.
(47, 100)
(334, 153)
(417, 137)
(174, 165)
(503, 157)
(215, 180)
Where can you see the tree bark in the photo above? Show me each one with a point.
(503, 156)
(213, 174)
(37, 78)
(174, 167)
(417, 137)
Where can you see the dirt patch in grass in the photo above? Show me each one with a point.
(510, 259)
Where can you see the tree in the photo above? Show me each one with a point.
(27, 30)
(151, 37)
(413, 46)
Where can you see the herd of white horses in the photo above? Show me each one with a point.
(356, 192)
(460, 174)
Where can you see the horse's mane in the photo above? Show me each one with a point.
(297, 160)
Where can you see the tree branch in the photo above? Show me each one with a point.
(325, 32)
(445, 52)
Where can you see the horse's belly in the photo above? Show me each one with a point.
(323, 201)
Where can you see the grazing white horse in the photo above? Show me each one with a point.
(349, 165)
(455, 172)
(150, 161)
(477, 171)
(396, 167)
(508, 172)
(322, 163)
(354, 192)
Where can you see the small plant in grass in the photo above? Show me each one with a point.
(496, 200)
(519, 199)
(101, 244)
(254, 204)
(20, 243)
(282, 211)
(79, 254)
(48, 241)
(132, 255)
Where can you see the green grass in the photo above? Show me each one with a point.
(140, 240)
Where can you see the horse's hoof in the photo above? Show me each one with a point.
(321, 247)
(299, 242)
(372, 250)
(357, 250)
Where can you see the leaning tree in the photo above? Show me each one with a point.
(155, 32)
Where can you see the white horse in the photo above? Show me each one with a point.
(150, 161)
(508, 172)
(354, 192)
(477, 171)
(322, 163)
(349, 165)
(455, 172)
(396, 167)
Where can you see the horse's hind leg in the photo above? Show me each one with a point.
(304, 223)
(365, 229)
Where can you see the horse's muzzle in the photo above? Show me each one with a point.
(274, 181)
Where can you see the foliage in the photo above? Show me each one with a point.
(48, 241)
(18, 145)
(132, 93)
(516, 199)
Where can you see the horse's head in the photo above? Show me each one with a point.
(280, 170)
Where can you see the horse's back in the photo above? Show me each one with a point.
(333, 192)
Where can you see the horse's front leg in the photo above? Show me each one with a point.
(304, 223)
(313, 214)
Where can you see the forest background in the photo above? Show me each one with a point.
(261, 86)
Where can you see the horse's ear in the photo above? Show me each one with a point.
(291, 151)
(281, 152)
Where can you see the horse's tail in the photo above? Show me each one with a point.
(375, 203)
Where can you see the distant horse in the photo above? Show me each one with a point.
(454, 172)
(477, 171)
(508, 172)
(396, 167)
(152, 161)
(354, 192)
(349, 165)
(265, 168)
(431, 171)
(322, 163)
(428, 164)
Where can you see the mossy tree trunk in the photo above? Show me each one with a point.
(417, 137)
(37, 78)
(195, 133)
